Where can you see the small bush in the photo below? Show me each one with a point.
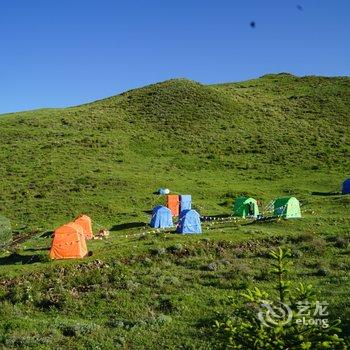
(296, 253)
(341, 242)
(158, 251)
(176, 248)
(166, 305)
(212, 266)
(322, 271)
(247, 327)
(78, 329)
(162, 319)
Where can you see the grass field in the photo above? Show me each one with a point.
(273, 136)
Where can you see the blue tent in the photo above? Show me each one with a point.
(346, 187)
(161, 217)
(185, 202)
(189, 222)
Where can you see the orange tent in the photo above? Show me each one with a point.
(85, 222)
(173, 203)
(68, 242)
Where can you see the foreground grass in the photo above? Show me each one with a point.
(162, 289)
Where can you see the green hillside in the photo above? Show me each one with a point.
(108, 156)
(269, 137)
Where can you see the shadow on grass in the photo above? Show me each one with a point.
(127, 226)
(36, 249)
(47, 234)
(16, 258)
(262, 220)
(325, 193)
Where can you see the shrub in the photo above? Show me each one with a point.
(158, 251)
(161, 319)
(78, 329)
(166, 305)
(248, 327)
(342, 242)
(212, 266)
(322, 271)
(296, 253)
(176, 248)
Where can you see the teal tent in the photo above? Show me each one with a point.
(287, 207)
(245, 206)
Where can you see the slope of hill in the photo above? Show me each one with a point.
(108, 156)
(141, 289)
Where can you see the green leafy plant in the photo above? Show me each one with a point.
(281, 326)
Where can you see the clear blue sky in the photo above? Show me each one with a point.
(57, 53)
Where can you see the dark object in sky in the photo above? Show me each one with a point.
(252, 24)
(300, 8)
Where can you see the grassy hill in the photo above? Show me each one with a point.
(108, 156)
(272, 136)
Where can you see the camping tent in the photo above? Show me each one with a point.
(161, 217)
(287, 207)
(68, 242)
(172, 203)
(163, 191)
(245, 206)
(85, 222)
(346, 187)
(185, 202)
(189, 222)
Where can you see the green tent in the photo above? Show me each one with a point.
(245, 206)
(287, 207)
